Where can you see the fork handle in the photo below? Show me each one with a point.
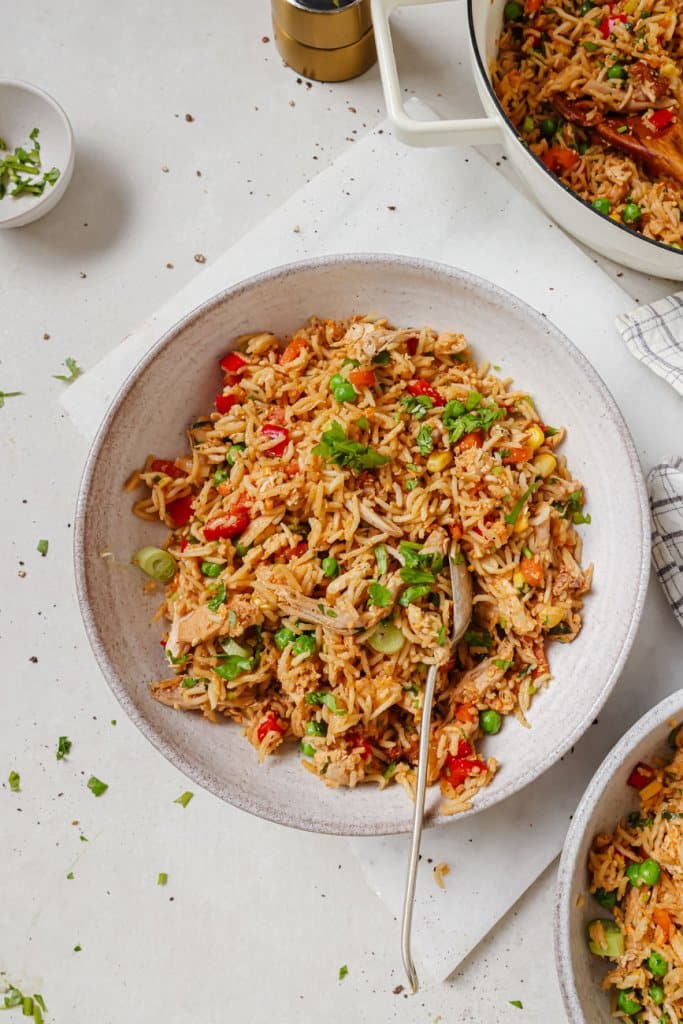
(418, 818)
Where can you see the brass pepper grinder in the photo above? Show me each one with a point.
(329, 40)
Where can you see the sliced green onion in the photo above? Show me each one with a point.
(381, 559)
(231, 647)
(234, 453)
(42, 547)
(316, 728)
(307, 749)
(96, 786)
(386, 638)
(156, 562)
(184, 798)
(220, 476)
(511, 516)
(63, 747)
(27, 1006)
(614, 940)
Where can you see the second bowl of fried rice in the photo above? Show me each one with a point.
(263, 526)
(619, 912)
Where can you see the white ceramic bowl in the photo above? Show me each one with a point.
(177, 381)
(607, 799)
(24, 107)
(485, 18)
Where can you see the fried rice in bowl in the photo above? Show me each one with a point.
(369, 415)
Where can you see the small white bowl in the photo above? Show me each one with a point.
(607, 799)
(24, 107)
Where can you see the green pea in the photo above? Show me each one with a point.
(586, 6)
(606, 899)
(649, 872)
(602, 205)
(316, 728)
(307, 749)
(490, 722)
(304, 644)
(513, 11)
(234, 453)
(617, 71)
(633, 874)
(631, 213)
(211, 569)
(330, 567)
(220, 476)
(626, 1003)
(336, 380)
(656, 994)
(657, 964)
(548, 127)
(528, 124)
(283, 637)
(345, 392)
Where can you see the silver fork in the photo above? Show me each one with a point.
(461, 591)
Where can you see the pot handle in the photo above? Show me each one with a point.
(468, 132)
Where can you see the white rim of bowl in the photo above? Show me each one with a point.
(179, 760)
(615, 759)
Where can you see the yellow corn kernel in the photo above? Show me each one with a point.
(630, 6)
(668, 70)
(544, 464)
(522, 523)
(536, 437)
(438, 461)
(650, 790)
(550, 615)
(518, 580)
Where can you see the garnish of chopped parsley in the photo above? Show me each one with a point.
(343, 971)
(14, 779)
(96, 786)
(8, 394)
(74, 371)
(20, 171)
(336, 447)
(184, 798)
(42, 547)
(460, 418)
(63, 747)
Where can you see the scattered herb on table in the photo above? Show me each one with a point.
(518, 1003)
(343, 971)
(42, 547)
(14, 779)
(74, 371)
(162, 878)
(21, 171)
(184, 798)
(77, 949)
(8, 394)
(63, 747)
(70, 876)
(96, 786)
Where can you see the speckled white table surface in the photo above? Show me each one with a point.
(255, 921)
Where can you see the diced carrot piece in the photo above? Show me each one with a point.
(293, 350)
(362, 378)
(522, 454)
(466, 713)
(532, 571)
(662, 918)
(456, 531)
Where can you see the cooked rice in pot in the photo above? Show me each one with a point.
(637, 873)
(580, 81)
(314, 611)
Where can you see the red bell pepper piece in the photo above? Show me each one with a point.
(167, 468)
(559, 158)
(661, 119)
(411, 345)
(269, 724)
(423, 387)
(233, 362)
(357, 741)
(299, 549)
(607, 25)
(464, 749)
(279, 435)
(473, 440)
(641, 775)
(228, 525)
(224, 403)
(458, 769)
(180, 510)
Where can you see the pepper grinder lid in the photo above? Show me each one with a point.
(328, 40)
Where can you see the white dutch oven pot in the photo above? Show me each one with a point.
(485, 18)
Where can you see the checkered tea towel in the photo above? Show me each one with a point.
(665, 486)
(654, 334)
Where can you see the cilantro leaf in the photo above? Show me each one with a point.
(336, 447)
(379, 595)
(63, 747)
(424, 440)
(74, 371)
(8, 394)
(184, 798)
(326, 697)
(96, 786)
